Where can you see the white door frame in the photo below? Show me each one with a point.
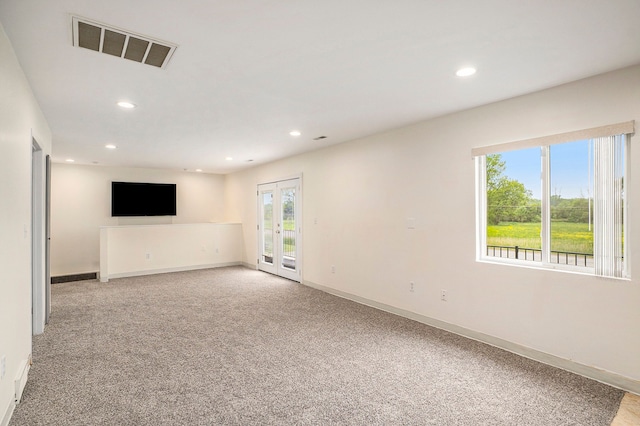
(47, 241)
(276, 268)
(38, 239)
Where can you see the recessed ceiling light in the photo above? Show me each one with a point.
(295, 133)
(465, 72)
(198, 170)
(69, 160)
(229, 158)
(110, 146)
(125, 104)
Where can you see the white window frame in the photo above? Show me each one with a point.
(479, 155)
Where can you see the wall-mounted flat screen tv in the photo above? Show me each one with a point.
(143, 199)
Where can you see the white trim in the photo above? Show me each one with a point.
(481, 206)
(529, 264)
(103, 273)
(545, 206)
(21, 378)
(106, 278)
(595, 132)
(38, 238)
(603, 376)
(249, 265)
(536, 264)
(8, 413)
(291, 177)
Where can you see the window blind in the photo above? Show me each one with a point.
(608, 204)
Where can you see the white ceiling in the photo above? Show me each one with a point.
(246, 72)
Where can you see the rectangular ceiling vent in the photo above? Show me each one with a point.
(124, 44)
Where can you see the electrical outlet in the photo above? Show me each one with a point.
(148, 256)
(411, 286)
(3, 366)
(333, 269)
(443, 295)
(217, 251)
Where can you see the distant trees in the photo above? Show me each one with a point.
(570, 210)
(288, 205)
(508, 200)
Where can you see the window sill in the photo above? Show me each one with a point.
(589, 272)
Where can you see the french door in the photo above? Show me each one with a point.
(279, 228)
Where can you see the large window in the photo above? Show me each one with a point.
(557, 202)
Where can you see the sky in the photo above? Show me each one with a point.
(569, 169)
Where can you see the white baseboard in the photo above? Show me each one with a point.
(166, 270)
(250, 265)
(603, 376)
(20, 382)
(8, 413)
(21, 379)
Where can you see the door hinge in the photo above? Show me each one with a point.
(258, 227)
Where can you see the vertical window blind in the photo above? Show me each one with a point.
(608, 209)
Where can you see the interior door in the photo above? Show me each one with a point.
(279, 228)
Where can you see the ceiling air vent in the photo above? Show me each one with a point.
(124, 44)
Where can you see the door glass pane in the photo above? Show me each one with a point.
(287, 200)
(513, 205)
(267, 227)
(571, 204)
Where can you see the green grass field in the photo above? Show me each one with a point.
(565, 236)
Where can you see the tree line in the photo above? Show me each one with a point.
(508, 200)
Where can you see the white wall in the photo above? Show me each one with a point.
(20, 120)
(149, 249)
(81, 203)
(362, 192)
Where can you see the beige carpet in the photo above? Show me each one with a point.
(234, 346)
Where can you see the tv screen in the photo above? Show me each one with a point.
(143, 199)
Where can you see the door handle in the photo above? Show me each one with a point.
(277, 231)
